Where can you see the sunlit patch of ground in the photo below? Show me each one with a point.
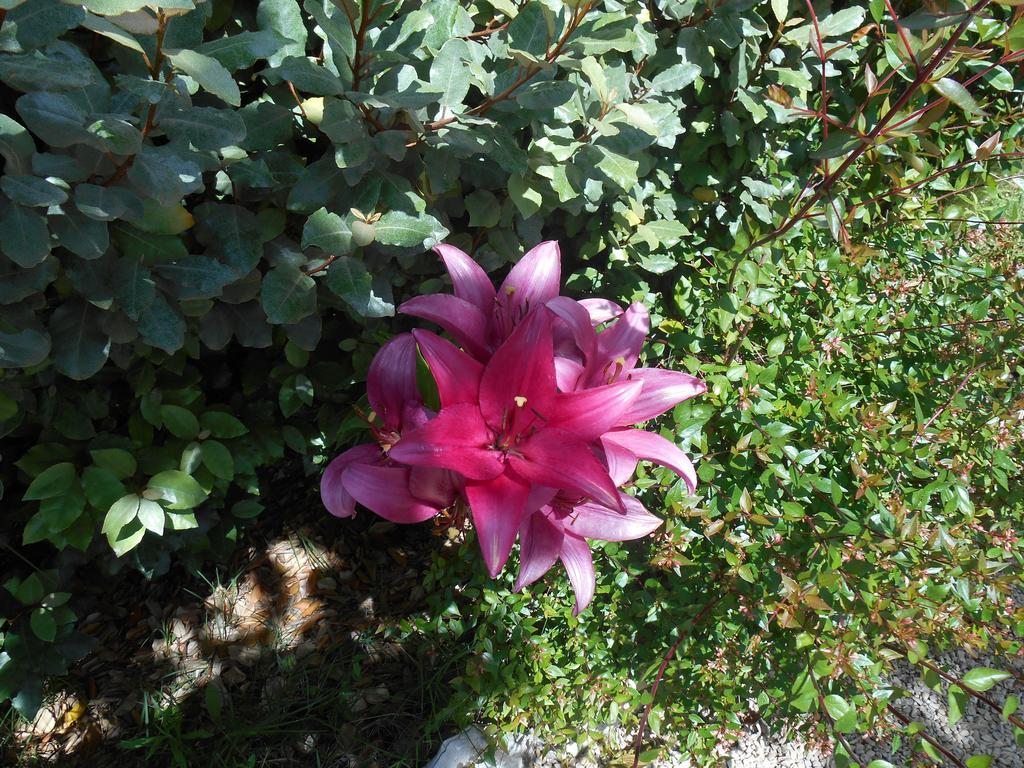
(283, 662)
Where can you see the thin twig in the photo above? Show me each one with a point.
(938, 747)
(954, 680)
(942, 408)
(528, 73)
(683, 634)
(298, 101)
(922, 76)
(915, 329)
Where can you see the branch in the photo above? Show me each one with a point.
(821, 705)
(527, 75)
(922, 76)
(154, 67)
(954, 680)
(701, 615)
(938, 747)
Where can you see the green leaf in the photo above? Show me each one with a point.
(30, 591)
(620, 169)
(309, 77)
(23, 349)
(1010, 706)
(24, 236)
(43, 625)
(959, 95)
(151, 515)
(116, 136)
(327, 231)
(243, 49)
(545, 94)
(133, 287)
(32, 191)
(284, 18)
(222, 425)
(60, 512)
(108, 29)
(843, 714)
(399, 228)
(676, 77)
(179, 490)
(205, 127)
(288, 295)
(16, 146)
(180, 422)
(127, 538)
(529, 30)
(162, 325)
(197, 277)
(80, 346)
(957, 702)
(56, 118)
(449, 72)
(164, 174)
(348, 278)
(217, 458)
(982, 679)
(38, 22)
(121, 512)
(247, 508)
(780, 9)
(979, 761)
(51, 482)
(209, 73)
(102, 487)
(84, 237)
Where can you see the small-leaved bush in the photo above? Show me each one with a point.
(208, 211)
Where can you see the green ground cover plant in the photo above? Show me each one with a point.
(209, 211)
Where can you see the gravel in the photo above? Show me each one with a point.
(981, 731)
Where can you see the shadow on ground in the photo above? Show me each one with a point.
(286, 656)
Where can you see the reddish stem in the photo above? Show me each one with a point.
(701, 615)
(923, 74)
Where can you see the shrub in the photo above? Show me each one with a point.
(207, 212)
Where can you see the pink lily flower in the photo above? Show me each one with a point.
(507, 429)
(364, 473)
(559, 531)
(478, 317)
(536, 430)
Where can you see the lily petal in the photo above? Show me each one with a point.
(575, 556)
(497, 506)
(391, 380)
(540, 541)
(560, 459)
(385, 490)
(619, 346)
(621, 462)
(647, 445)
(520, 377)
(532, 282)
(469, 280)
(578, 321)
(600, 310)
(596, 521)
(591, 412)
(662, 390)
(457, 374)
(464, 321)
(336, 498)
(433, 486)
(567, 374)
(455, 439)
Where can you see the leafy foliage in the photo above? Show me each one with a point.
(201, 206)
